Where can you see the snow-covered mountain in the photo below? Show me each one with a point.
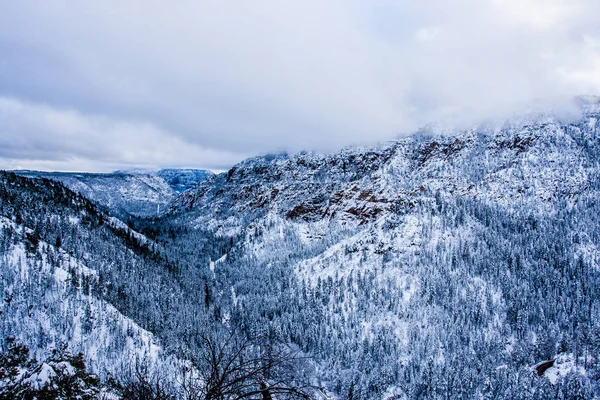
(438, 263)
(534, 164)
(48, 304)
(183, 179)
(63, 262)
(441, 265)
(136, 192)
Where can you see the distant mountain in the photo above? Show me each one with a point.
(136, 192)
(183, 179)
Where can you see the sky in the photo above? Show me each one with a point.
(105, 85)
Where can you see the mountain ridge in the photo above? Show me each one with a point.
(136, 193)
(416, 159)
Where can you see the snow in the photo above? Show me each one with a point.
(234, 297)
(65, 368)
(394, 393)
(61, 275)
(42, 377)
(564, 364)
(590, 253)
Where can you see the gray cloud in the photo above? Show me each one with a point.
(208, 83)
(34, 136)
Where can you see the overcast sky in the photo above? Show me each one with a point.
(101, 85)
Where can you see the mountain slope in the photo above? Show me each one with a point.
(72, 278)
(536, 163)
(48, 304)
(77, 279)
(429, 266)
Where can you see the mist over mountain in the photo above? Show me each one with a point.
(440, 265)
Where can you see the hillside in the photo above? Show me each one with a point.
(71, 278)
(432, 265)
(77, 280)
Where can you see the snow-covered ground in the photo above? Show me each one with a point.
(564, 364)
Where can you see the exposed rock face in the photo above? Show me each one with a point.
(541, 367)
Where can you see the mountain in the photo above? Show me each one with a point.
(438, 264)
(533, 162)
(462, 264)
(137, 193)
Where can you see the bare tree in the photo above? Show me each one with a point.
(237, 367)
(145, 383)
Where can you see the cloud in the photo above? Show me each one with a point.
(36, 136)
(245, 77)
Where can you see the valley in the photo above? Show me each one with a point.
(439, 265)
